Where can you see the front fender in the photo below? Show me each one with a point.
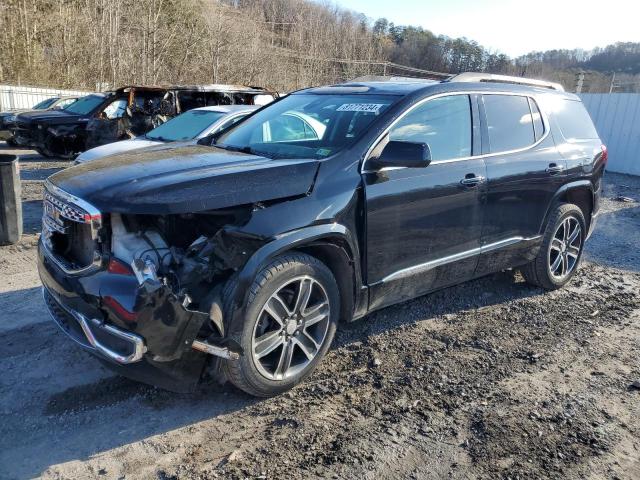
(282, 243)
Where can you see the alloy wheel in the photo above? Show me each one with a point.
(291, 328)
(565, 247)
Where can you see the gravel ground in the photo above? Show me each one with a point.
(489, 379)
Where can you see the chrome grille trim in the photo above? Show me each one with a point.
(73, 209)
(68, 211)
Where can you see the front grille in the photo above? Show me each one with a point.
(26, 133)
(69, 232)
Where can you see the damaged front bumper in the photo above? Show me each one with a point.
(150, 337)
(94, 334)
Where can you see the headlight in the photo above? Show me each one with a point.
(10, 118)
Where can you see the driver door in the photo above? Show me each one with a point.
(424, 224)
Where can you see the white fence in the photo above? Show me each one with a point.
(617, 118)
(16, 96)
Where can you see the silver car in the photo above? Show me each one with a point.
(191, 125)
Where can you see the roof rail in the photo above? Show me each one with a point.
(390, 78)
(490, 77)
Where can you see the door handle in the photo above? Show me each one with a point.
(554, 168)
(471, 180)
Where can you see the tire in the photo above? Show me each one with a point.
(268, 343)
(559, 257)
(45, 153)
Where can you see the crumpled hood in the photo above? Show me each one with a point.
(115, 148)
(186, 179)
(51, 117)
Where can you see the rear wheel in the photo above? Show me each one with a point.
(289, 323)
(561, 251)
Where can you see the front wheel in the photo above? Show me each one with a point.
(561, 251)
(288, 326)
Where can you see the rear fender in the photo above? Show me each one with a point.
(561, 196)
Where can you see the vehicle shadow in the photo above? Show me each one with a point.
(72, 401)
(63, 384)
(477, 294)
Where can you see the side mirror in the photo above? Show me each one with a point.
(403, 154)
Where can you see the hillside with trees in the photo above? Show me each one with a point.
(281, 44)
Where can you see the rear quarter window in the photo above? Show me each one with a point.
(573, 120)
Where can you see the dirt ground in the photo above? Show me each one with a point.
(489, 379)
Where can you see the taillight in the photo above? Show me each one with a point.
(605, 154)
(118, 267)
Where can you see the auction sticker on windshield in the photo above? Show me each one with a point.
(361, 107)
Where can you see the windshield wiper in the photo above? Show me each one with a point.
(248, 150)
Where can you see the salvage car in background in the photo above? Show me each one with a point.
(7, 119)
(124, 113)
(191, 125)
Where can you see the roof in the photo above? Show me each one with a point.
(378, 87)
(402, 87)
(229, 108)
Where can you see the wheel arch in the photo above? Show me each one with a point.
(579, 193)
(332, 244)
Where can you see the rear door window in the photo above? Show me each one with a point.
(574, 121)
(443, 123)
(509, 122)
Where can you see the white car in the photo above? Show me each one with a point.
(191, 125)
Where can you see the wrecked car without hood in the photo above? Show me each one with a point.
(236, 257)
(125, 113)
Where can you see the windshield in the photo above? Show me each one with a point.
(186, 126)
(306, 125)
(85, 105)
(45, 103)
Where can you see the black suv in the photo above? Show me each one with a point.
(239, 256)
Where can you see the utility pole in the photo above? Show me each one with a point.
(579, 82)
(613, 83)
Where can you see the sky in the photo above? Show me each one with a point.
(515, 27)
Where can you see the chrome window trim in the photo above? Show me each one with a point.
(545, 121)
(438, 262)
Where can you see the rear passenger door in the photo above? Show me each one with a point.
(524, 170)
